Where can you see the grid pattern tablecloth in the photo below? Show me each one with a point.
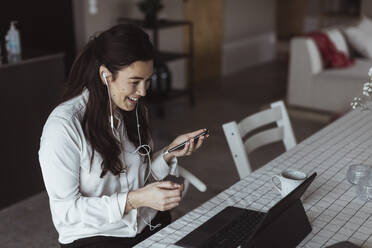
(335, 213)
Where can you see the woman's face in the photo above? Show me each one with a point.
(130, 84)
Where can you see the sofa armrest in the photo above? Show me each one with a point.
(305, 62)
(305, 52)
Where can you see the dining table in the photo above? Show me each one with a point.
(331, 203)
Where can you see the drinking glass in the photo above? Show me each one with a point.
(356, 172)
(364, 188)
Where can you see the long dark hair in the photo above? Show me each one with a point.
(116, 48)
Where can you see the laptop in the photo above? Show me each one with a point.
(285, 223)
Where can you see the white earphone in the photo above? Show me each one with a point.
(146, 147)
(104, 75)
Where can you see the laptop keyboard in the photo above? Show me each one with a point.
(237, 231)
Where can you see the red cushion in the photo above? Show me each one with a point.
(330, 55)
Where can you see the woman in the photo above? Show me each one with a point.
(95, 151)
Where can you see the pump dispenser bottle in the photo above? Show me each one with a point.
(13, 44)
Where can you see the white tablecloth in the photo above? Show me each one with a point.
(335, 213)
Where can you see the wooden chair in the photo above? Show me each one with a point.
(240, 146)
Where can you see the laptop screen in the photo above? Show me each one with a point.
(284, 203)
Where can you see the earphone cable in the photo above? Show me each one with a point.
(146, 147)
(109, 96)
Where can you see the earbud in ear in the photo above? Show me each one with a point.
(104, 75)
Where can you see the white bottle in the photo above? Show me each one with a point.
(13, 43)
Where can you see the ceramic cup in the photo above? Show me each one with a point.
(289, 180)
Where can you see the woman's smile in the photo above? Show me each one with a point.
(132, 100)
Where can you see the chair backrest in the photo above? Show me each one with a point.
(240, 146)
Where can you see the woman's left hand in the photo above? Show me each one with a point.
(190, 146)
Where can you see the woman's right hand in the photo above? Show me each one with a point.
(159, 195)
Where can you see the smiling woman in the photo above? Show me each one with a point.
(130, 83)
(96, 149)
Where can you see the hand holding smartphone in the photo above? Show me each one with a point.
(182, 145)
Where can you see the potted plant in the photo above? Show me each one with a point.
(150, 8)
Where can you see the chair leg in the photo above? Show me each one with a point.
(192, 179)
(186, 184)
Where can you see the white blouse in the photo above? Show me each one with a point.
(83, 204)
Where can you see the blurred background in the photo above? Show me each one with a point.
(217, 61)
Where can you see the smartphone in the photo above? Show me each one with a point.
(181, 146)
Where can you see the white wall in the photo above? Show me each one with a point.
(249, 33)
(314, 10)
(367, 8)
(108, 12)
(249, 30)
(312, 18)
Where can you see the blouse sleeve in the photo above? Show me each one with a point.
(160, 167)
(59, 156)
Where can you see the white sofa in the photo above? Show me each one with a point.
(312, 86)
